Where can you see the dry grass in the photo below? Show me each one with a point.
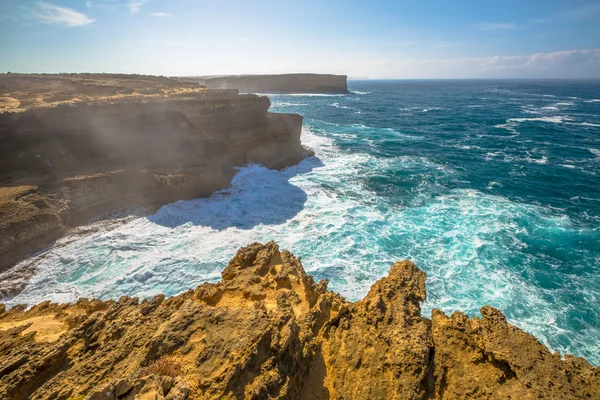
(162, 367)
(20, 92)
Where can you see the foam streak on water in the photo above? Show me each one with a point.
(497, 207)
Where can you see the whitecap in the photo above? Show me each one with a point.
(287, 104)
(555, 119)
(314, 95)
(337, 105)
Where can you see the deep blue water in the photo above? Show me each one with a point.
(491, 187)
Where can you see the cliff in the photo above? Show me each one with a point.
(284, 83)
(267, 331)
(73, 147)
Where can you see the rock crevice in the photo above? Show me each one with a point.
(268, 330)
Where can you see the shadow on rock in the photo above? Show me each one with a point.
(257, 195)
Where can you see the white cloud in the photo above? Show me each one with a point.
(424, 42)
(583, 12)
(495, 26)
(52, 14)
(135, 5)
(559, 64)
(160, 14)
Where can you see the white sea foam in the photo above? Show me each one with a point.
(554, 119)
(595, 152)
(287, 104)
(592, 101)
(337, 105)
(409, 108)
(302, 94)
(357, 92)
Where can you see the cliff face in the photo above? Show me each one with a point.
(83, 152)
(267, 330)
(284, 83)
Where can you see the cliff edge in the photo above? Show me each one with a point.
(268, 331)
(76, 146)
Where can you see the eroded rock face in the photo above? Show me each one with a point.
(268, 330)
(78, 146)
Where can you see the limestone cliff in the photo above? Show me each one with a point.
(268, 331)
(284, 83)
(73, 147)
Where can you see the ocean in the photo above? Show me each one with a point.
(491, 187)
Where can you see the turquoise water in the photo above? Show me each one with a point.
(492, 188)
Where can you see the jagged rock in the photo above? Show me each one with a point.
(267, 330)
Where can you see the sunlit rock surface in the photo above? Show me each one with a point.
(268, 330)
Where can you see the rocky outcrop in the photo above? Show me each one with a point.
(284, 83)
(73, 147)
(268, 330)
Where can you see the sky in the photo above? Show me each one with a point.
(363, 39)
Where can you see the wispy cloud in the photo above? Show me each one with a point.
(558, 64)
(572, 14)
(495, 26)
(48, 13)
(135, 5)
(160, 14)
(179, 44)
(88, 4)
(583, 12)
(424, 42)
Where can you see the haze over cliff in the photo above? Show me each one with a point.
(73, 147)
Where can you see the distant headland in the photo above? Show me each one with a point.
(284, 83)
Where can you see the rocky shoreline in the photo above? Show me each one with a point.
(75, 146)
(268, 330)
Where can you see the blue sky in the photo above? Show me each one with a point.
(377, 39)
